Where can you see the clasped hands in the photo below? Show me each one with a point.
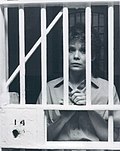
(77, 97)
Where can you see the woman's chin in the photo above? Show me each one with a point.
(77, 69)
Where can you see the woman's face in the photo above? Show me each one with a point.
(77, 56)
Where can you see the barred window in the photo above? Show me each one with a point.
(59, 74)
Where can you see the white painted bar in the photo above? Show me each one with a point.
(88, 54)
(22, 55)
(3, 71)
(16, 3)
(81, 145)
(6, 44)
(111, 52)
(45, 128)
(3, 61)
(44, 65)
(11, 78)
(65, 55)
(110, 67)
(110, 127)
(70, 145)
(61, 107)
(43, 56)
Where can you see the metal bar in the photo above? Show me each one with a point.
(3, 71)
(44, 65)
(3, 60)
(110, 67)
(61, 107)
(110, 52)
(45, 127)
(12, 77)
(43, 56)
(32, 3)
(69, 145)
(22, 55)
(88, 54)
(81, 145)
(110, 127)
(65, 54)
(6, 43)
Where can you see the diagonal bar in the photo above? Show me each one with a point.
(14, 74)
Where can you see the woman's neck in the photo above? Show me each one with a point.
(76, 77)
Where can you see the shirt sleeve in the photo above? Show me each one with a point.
(115, 101)
(49, 99)
(115, 96)
(39, 101)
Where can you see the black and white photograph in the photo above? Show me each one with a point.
(60, 75)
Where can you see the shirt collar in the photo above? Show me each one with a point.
(94, 82)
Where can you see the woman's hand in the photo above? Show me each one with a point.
(77, 97)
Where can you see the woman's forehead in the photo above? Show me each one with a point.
(77, 42)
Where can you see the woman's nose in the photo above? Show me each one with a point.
(77, 54)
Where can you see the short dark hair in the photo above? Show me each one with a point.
(78, 32)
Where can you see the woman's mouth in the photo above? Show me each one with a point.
(76, 64)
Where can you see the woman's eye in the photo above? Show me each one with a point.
(71, 49)
(82, 50)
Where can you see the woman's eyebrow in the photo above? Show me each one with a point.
(71, 47)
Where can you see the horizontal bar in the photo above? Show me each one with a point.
(37, 3)
(62, 107)
(70, 145)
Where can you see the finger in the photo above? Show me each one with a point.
(79, 99)
(74, 91)
(78, 95)
(80, 102)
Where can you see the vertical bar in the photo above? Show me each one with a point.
(110, 67)
(111, 52)
(44, 65)
(44, 55)
(3, 71)
(22, 55)
(65, 54)
(88, 54)
(6, 43)
(110, 127)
